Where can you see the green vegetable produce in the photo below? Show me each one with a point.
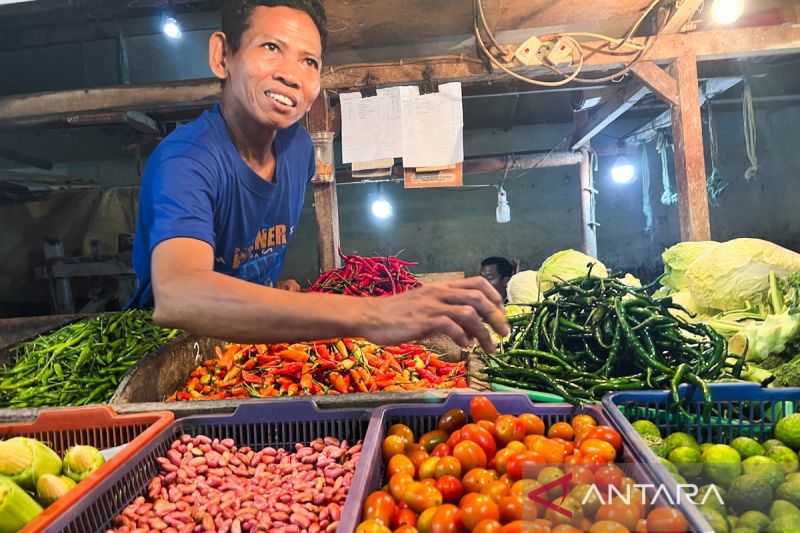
(597, 334)
(677, 260)
(81, 363)
(24, 460)
(80, 461)
(523, 288)
(568, 265)
(49, 488)
(17, 508)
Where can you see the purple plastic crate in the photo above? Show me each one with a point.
(422, 418)
(277, 423)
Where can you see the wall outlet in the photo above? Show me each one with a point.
(527, 53)
(561, 54)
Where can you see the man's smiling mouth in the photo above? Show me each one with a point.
(280, 98)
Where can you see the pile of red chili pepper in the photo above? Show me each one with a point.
(333, 366)
(367, 276)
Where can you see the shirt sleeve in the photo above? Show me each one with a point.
(180, 192)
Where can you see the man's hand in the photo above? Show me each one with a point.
(457, 309)
(288, 285)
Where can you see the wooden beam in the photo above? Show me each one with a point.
(690, 167)
(323, 118)
(684, 12)
(713, 87)
(657, 81)
(26, 159)
(610, 111)
(706, 45)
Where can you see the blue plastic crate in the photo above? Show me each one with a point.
(422, 418)
(738, 409)
(277, 423)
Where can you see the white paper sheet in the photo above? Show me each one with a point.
(371, 126)
(433, 126)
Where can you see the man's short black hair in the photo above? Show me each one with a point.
(503, 265)
(236, 17)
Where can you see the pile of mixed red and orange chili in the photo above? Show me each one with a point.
(332, 366)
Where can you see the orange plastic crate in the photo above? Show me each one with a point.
(99, 426)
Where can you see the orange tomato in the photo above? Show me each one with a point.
(400, 464)
(527, 463)
(488, 426)
(533, 424)
(561, 430)
(516, 445)
(418, 457)
(666, 519)
(531, 440)
(569, 446)
(501, 458)
(446, 519)
(580, 434)
(608, 434)
(419, 496)
(593, 461)
(551, 450)
(476, 507)
(372, 526)
(583, 420)
(398, 483)
(509, 428)
(487, 525)
(524, 526)
(599, 447)
(406, 529)
(379, 506)
(627, 515)
(424, 520)
(481, 408)
(392, 445)
(477, 478)
(470, 455)
(404, 517)
(481, 437)
(427, 469)
(403, 431)
(496, 490)
(447, 465)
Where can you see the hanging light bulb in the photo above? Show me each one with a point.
(503, 211)
(381, 206)
(623, 170)
(171, 28)
(727, 11)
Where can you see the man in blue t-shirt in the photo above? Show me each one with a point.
(221, 198)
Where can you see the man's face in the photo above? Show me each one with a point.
(274, 77)
(490, 274)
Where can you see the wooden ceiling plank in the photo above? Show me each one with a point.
(684, 12)
(707, 45)
(657, 80)
(611, 111)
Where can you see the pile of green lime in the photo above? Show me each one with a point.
(745, 486)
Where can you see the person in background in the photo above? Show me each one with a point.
(221, 198)
(497, 271)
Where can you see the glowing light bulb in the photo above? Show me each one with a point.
(171, 28)
(381, 208)
(727, 11)
(623, 171)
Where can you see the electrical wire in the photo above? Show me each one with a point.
(478, 5)
(749, 118)
(638, 23)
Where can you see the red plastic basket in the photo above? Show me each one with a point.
(99, 426)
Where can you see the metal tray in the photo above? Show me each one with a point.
(163, 372)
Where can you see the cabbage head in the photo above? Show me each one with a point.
(677, 260)
(523, 288)
(568, 265)
(735, 274)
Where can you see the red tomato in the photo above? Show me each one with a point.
(476, 507)
(608, 526)
(510, 508)
(666, 520)
(488, 426)
(379, 506)
(593, 461)
(441, 450)
(569, 446)
(406, 529)
(419, 496)
(487, 525)
(610, 435)
(527, 463)
(398, 483)
(501, 459)
(418, 457)
(446, 519)
(480, 408)
(496, 490)
(455, 438)
(561, 430)
(574, 459)
(627, 515)
(477, 478)
(481, 437)
(451, 488)
(600, 447)
(566, 528)
(533, 424)
(581, 475)
(607, 476)
(523, 526)
(470, 455)
(447, 465)
(372, 526)
(509, 428)
(404, 517)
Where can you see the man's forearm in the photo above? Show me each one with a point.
(216, 305)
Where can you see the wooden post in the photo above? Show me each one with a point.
(322, 118)
(690, 168)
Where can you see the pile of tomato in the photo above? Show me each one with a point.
(477, 477)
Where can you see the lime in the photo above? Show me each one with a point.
(765, 468)
(715, 518)
(680, 479)
(793, 476)
(687, 460)
(676, 440)
(789, 491)
(705, 446)
(749, 493)
(755, 520)
(646, 428)
(656, 444)
(783, 508)
(784, 457)
(788, 431)
(712, 496)
(784, 524)
(722, 464)
(771, 443)
(669, 466)
(747, 447)
(740, 529)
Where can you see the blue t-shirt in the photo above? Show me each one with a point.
(197, 185)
